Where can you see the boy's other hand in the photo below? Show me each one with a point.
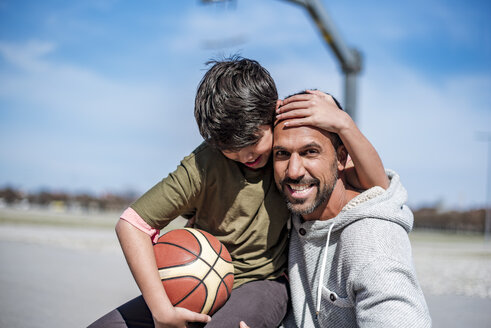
(191, 222)
(242, 324)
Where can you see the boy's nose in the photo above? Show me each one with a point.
(249, 157)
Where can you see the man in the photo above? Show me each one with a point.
(350, 257)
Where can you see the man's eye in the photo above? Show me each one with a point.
(281, 154)
(311, 152)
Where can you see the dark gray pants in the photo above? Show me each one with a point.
(260, 303)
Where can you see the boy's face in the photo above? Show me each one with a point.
(257, 155)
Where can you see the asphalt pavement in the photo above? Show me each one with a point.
(68, 276)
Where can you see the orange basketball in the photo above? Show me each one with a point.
(195, 268)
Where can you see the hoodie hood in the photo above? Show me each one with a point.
(375, 203)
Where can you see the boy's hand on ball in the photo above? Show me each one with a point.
(181, 317)
(193, 316)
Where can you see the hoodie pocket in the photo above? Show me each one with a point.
(333, 298)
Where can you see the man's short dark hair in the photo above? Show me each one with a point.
(235, 97)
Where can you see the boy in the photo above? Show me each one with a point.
(227, 185)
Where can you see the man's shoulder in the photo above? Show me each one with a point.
(371, 238)
(371, 224)
(374, 230)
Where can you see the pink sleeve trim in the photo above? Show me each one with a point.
(130, 216)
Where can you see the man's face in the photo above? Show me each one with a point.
(305, 167)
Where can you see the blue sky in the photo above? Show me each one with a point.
(98, 96)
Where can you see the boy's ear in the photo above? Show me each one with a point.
(342, 157)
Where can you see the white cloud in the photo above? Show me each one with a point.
(27, 55)
(57, 88)
(381, 24)
(294, 74)
(260, 24)
(88, 124)
(428, 131)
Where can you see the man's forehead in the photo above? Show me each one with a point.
(298, 136)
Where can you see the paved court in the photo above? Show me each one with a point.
(60, 276)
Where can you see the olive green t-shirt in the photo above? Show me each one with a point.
(239, 206)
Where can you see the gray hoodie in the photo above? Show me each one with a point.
(362, 261)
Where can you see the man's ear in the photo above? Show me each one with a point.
(342, 156)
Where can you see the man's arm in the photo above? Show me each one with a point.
(319, 109)
(138, 250)
(388, 295)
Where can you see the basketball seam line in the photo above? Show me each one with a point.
(221, 244)
(213, 267)
(207, 274)
(198, 256)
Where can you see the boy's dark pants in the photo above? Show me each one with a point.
(260, 303)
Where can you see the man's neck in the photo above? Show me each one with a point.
(340, 196)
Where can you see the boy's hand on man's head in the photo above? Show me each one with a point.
(314, 108)
(279, 103)
(318, 109)
(242, 324)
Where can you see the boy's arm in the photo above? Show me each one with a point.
(319, 109)
(368, 168)
(138, 250)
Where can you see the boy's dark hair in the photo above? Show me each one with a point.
(235, 97)
(335, 139)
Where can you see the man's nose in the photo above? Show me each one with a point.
(295, 167)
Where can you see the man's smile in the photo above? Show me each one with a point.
(300, 190)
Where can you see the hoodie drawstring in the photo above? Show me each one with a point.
(323, 270)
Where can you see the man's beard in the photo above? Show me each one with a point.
(323, 193)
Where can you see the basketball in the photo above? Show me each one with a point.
(195, 268)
